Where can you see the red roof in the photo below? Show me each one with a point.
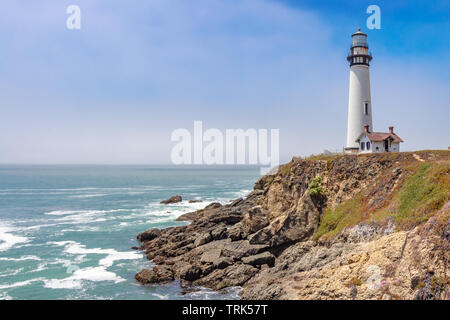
(381, 136)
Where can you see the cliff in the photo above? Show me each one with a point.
(338, 227)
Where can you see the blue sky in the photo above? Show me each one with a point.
(114, 91)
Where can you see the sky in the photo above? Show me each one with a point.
(114, 91)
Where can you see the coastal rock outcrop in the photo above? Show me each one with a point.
(173, 199)
(148, 235)
(340, 227)
(159, 274)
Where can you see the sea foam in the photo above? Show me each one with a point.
(7, 239)
(99, 273)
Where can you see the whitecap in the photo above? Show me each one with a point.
(161, 296)
(20, 284)
(23, 258)
(10, 272)
(4, 296)
(99, 273)
(75, 212)
(61, 212)
(8, 240)
(40, 267)
(73, 247)
(82, 216)
(86, 274)
(81, 196)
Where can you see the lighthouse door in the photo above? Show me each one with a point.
(386, 145)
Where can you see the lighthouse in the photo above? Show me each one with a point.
(359, 102)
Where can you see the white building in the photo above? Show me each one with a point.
(360, 137)
(373, 142)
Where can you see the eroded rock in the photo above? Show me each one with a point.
(159, 274)
(260, 259)
(148, 235)
(173, 199)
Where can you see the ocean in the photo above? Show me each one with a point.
(66, 231)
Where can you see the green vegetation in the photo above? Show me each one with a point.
(420, 196)
(423, 193)
(344, 215)
(328, 157)
(315, 187)
(285, 169)
(269, 180)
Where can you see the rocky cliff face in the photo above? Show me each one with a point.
(344, 227)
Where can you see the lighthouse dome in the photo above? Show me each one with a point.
(359, 39)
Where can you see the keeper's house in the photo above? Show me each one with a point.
(377, 142)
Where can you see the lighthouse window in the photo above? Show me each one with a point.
(368, 145)
(366, 108)
(362, 145)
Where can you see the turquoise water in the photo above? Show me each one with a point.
(66, 231)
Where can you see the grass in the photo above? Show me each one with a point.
(423, 193)
(335, 220)
(328, 157)
(420, 196)
(285, 169)
(269, 180)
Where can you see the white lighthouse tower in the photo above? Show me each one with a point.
(359, 102)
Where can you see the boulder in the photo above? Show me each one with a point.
(202, 214)
(220, 232)
(260, 259)
(242, 248)
(237, 232)
(297, 225)
(234, 275)
(195, 201)
(213, 205)
(173, 199)
(222, 263)
(148, 235)
(236, 202)
(159, 274)
(159, 259)
(211, 255)
(203, 239)
(190, 273)
(255, 219)
(263, 236)
(226, 216)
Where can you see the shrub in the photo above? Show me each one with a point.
(315, 187)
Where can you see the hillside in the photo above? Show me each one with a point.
(339, 227)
